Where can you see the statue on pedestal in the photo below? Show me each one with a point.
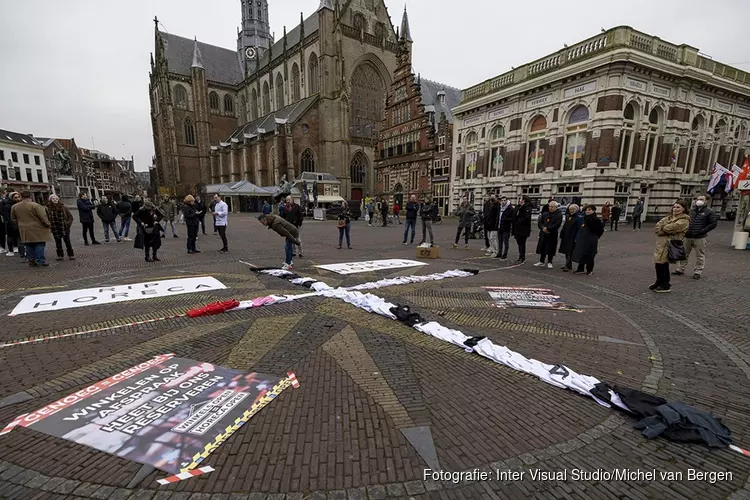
(284, 189)
(63, 157)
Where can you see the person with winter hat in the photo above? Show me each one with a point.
(61, 219)
(285, 229)
(148, 219)
(587, 241)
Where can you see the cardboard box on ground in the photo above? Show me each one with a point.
(428, 253)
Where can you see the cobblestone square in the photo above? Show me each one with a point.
(366, 379)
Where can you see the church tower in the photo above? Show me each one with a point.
(254, 36)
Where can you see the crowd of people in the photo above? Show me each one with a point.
(572, 231)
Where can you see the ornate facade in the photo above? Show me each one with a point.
(313, 100)
(619, 116)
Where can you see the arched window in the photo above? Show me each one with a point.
(228, 104)
(279, 91)
(359, 22)
(254, 105)
(535, 146)
(649, 159)
(213, 101)
(180, 97)
(357, 168)
(575, 139)
(313, 78)
(696, 129)
(189, 132)
(626, 136)
(497, 153)
(471, 138)
(498, 133)
(295, 83)
(266, 99)
(367, 99)
(307, 161)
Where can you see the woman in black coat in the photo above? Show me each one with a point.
(587, 243)
(568, 234)
(521, 228)
(148, 218)
(549, 225)
(192, 221)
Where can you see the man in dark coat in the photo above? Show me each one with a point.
(200, 207)
(384, 211)
(521, 227)
(293, 213)
(125, 210)
(616, 212)
(412, 210)
(637, 213)
(587, 242)
(505, 214)
(107, 212)
(703, 220)
(569, 233)
(490, 215)
(549, 225)
(86, 216)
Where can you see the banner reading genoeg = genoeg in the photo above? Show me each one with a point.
(68, 299)
(167, 412)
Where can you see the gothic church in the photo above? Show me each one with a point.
(311, 101)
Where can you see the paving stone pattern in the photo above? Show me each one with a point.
(365, 378)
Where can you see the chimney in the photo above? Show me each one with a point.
(441, 96)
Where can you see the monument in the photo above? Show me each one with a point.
(65, 179)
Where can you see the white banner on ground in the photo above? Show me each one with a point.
(121, 293)
(370, 265)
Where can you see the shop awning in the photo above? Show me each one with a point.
(239, 188)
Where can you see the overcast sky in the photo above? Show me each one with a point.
(79, 68)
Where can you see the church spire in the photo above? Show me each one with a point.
(405, 31)
(197, 59)
(326, 4)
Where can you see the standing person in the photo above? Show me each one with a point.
(370, 207)
(286, 230)
(293, 214)
(107, 213)
(465, 214)
(60, 220)
(488, 222)
(86, 216)
(200, 206)
(167, 207)
(521, 228)
(491, 219)
(211, 207)
(345, 219)
(412, 210)
(504, 227)
(384, 211)
(34, 227)
(397, 211)
(616, 212)
(637, 212)
(125, 209)
(549, 224)
(136, 204)
(148, 219)
(220, 212)
(192, 221)
(587, 243)
(568, 234)
(266, 208)
(672, 227)
(606, 213)
(11, 228)
(703, 220)
(425, 213)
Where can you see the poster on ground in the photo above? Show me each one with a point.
(370, 265)
(68, 299)
(534, 298)
(168, 412)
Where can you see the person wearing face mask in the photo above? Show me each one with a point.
(521, 226)
(672, 227)
(703, 220)
(587, 241)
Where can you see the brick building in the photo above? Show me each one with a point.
(310, 101)
(618, 116)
